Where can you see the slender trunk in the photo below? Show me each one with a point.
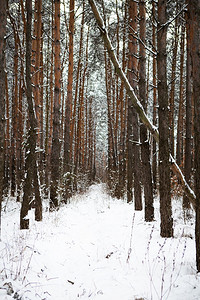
(36, 47)
(55, 151)
(3, 16)
(145, 151)
(7, 136)
(163, 114)
(79, 69)
(179, 144)
(188, 139)
(173, 81)
(154, 152)
(120, 190)
(31, 159)
(68, 105)
(194, 12)
(133, 163)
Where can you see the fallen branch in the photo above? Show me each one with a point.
(136, 103)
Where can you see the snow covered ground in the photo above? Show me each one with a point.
(96, 247)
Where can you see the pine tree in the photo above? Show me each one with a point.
(163, 114)
(3, 17)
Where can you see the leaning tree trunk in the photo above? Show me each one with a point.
(163, 115)
(145, 151)
(3, 16)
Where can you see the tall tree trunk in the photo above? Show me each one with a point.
(179, 142)
(163, 114)
(68, 105)
(188, 138)
(49, 134)
(31, 158)
(55, 151)
(120, 189)
(133, 163)
(7, 136)
(145, 151)
(173, 81)
(154, 152)
(194, 13)
(3, 16)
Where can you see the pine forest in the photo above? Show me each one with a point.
(100, 149)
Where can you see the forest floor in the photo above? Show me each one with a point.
(96, 247)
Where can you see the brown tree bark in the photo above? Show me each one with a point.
(78, 74)
(188, 125)
(173, 80)
(121, 186)
(68, 104)
(7, 137)
(180, 125)
(133, 149)
(36, 53)
(14, 127)
(194, 13)
(166, 227)
(55, 151)
(3, 19)
(145, 151)
(31, 158)
(49, 103)
(154, 152)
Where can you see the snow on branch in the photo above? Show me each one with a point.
(176, 16)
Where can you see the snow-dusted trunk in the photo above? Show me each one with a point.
(35, 61)
(55, 151)
(68, 104)
(181, 112)
(30, 163)
(163, 118)
(133, 149)
(145, 150)
(172, 85)
(154, 152)
(188, 125)
(194, 10)
(120, 189)
(3, 5)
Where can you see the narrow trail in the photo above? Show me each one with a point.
(81, 251)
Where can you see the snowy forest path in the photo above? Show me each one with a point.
(81, 251)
